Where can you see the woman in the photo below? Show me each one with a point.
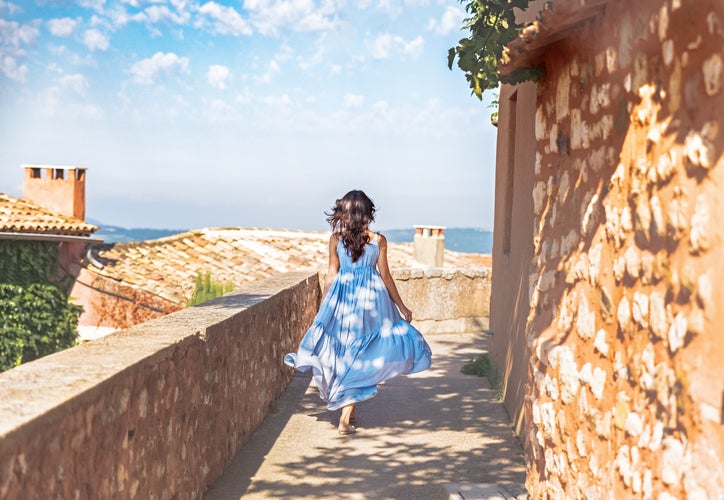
(361, 335)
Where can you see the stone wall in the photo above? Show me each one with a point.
(446, 300)
(155, 411)
(626, 381)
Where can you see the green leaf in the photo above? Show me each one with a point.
(492, 26)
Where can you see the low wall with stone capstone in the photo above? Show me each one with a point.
(446, 300)
(157, 410)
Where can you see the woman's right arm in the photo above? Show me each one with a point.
(389, 282)
(333, 267)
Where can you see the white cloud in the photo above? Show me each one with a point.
(73, 58)
(118, 16)
(353, 100)
(160, 13)
(272, 16)
(10, 7)
(147, 71)
(95, 40)
(282, 101)
(63, 26)
(12, 33)
(10, 68)
(245, 97)
(414, 47)
(226, 20)
(76, 82)
(218, 111)
(386, 45)
(217, 76)
(272, 71)
(381, 107)
(451, 20)
(219, 105)
(96, 5)
(317, 57)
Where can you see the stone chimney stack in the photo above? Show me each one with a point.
(61, 189)
(429, 245)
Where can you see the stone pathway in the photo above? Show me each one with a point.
(438, 434)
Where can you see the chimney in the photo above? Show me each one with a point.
(61, 189)
(429, 245)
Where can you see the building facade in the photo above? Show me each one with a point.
(608, 249)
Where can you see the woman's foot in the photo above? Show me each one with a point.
(346, 419)
(346, 429)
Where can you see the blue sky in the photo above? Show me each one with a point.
(254, 113)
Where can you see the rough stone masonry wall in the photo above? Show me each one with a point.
(446, 300)
(626, 318)
(156, 411)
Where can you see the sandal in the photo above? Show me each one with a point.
(346, 429)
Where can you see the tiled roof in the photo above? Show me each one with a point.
(21, 216)
(168, 266)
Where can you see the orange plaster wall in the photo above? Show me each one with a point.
(107, 303)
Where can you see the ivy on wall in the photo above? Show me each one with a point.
(36, 318)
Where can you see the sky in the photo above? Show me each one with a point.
(251, 113)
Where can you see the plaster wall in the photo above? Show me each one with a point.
(64, 194)
(512, 242)
(108, 303)
(626, 387)
(157, 410)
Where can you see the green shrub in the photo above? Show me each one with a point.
(483, 366)
(37, 320)
(206, 289)
(26, 262)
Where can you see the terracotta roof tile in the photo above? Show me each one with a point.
(21, 216)
(168, 266)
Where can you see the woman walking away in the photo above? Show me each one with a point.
(361, 335)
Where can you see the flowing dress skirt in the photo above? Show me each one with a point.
(358, 338)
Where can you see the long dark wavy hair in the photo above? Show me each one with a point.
(349, 219)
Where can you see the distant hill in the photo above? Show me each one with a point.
(460, 239)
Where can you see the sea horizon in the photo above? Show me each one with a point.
(459, 239)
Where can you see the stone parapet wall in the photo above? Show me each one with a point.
(157, 410)
(446, 300)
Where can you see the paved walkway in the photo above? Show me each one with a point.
(417, 437)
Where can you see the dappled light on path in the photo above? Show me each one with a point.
(419, 433)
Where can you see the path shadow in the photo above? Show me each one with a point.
(419, 433)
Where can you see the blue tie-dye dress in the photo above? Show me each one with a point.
(358, 338)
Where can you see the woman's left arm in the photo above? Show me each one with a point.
(384, 268)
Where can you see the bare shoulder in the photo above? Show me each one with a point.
(333, 240)
(381, 240)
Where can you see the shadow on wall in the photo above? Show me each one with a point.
(624, 272)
